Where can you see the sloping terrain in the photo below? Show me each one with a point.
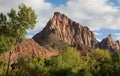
(29, 48)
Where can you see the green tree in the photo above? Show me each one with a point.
(68, 62)
(30, 66)
(13, 26)
(102, 65)
(115, 56)
(101, 55)
(116, 63)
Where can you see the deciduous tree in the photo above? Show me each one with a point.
(14, 26)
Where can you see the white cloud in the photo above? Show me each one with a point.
(41, 8)
(28, 36)
(117, 36)
(99, 39)
(96, 14)
(97, 33)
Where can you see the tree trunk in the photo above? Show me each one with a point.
(7, 71)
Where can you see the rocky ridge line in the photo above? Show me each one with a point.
(62, 28)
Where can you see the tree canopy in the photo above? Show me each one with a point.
(14, 25)
(13, 28)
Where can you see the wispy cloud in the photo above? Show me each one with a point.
(117, 36)
(96, 14)
(98, 33)
(99, 39)
(41, 7)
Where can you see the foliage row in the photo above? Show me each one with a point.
(68, 63)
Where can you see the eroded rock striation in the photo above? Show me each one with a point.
(29, 48)
(62, 28)
(110, 44)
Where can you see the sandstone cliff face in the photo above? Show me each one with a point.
(61, 28)
(29, 48)
(110, 44)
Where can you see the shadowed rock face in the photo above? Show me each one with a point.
(61, 28)
(29, 48)
(110, 44)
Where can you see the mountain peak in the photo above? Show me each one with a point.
(62, 28)
(110, 44)
(110, 38)
(109, 35)
(57, 13)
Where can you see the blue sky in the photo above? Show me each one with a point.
(102, 33)
(57, 2)
(63, 2)
(115, 2)
(101, 16)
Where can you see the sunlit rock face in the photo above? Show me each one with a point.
(29, 48)
(61, 28)
(110, 44)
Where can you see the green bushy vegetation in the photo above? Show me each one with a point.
(55, 44)
(69, 62)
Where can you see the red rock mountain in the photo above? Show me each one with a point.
(62, 28)
(29, 48)
(110, 44)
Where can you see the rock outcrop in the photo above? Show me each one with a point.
(29, 48)
(61, 28)
(110, 44)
